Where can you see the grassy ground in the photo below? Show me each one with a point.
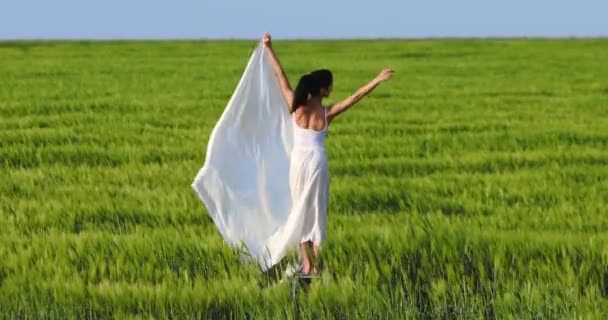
(472, 185)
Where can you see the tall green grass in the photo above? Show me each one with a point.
(474, 184)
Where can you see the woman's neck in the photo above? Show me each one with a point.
(314, 101)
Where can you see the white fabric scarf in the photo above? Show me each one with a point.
(244, 182)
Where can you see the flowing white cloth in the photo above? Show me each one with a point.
(260, 191)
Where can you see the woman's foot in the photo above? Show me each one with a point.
(310, 270)
(306, 268)
(317, 267)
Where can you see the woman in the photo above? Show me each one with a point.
(309, 174)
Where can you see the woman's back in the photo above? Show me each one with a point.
(310, 128)
(311, 118)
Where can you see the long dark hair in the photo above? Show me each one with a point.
(324, 77)
(310, 84)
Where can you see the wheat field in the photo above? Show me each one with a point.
(474, 184)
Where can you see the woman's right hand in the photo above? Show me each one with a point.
(266, 40)
(385, 74)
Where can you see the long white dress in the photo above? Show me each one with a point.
(265, 181)
(309, 185)
(309, 181)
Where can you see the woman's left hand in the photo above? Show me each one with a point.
(385, 74)
(266, 40)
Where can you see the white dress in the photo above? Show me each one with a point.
(309, 181)
(265, 181)
(309, 186)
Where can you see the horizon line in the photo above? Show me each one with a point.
(108, 39)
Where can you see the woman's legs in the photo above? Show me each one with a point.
(310, 262)
(305, 248)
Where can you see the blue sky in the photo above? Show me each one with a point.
(139, 19)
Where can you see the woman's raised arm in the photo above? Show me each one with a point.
(278, 69)
(337, 108)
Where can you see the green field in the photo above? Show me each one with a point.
(474, 184)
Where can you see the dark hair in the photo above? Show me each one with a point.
(324, 77)
(310, 84)
(307, 85)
